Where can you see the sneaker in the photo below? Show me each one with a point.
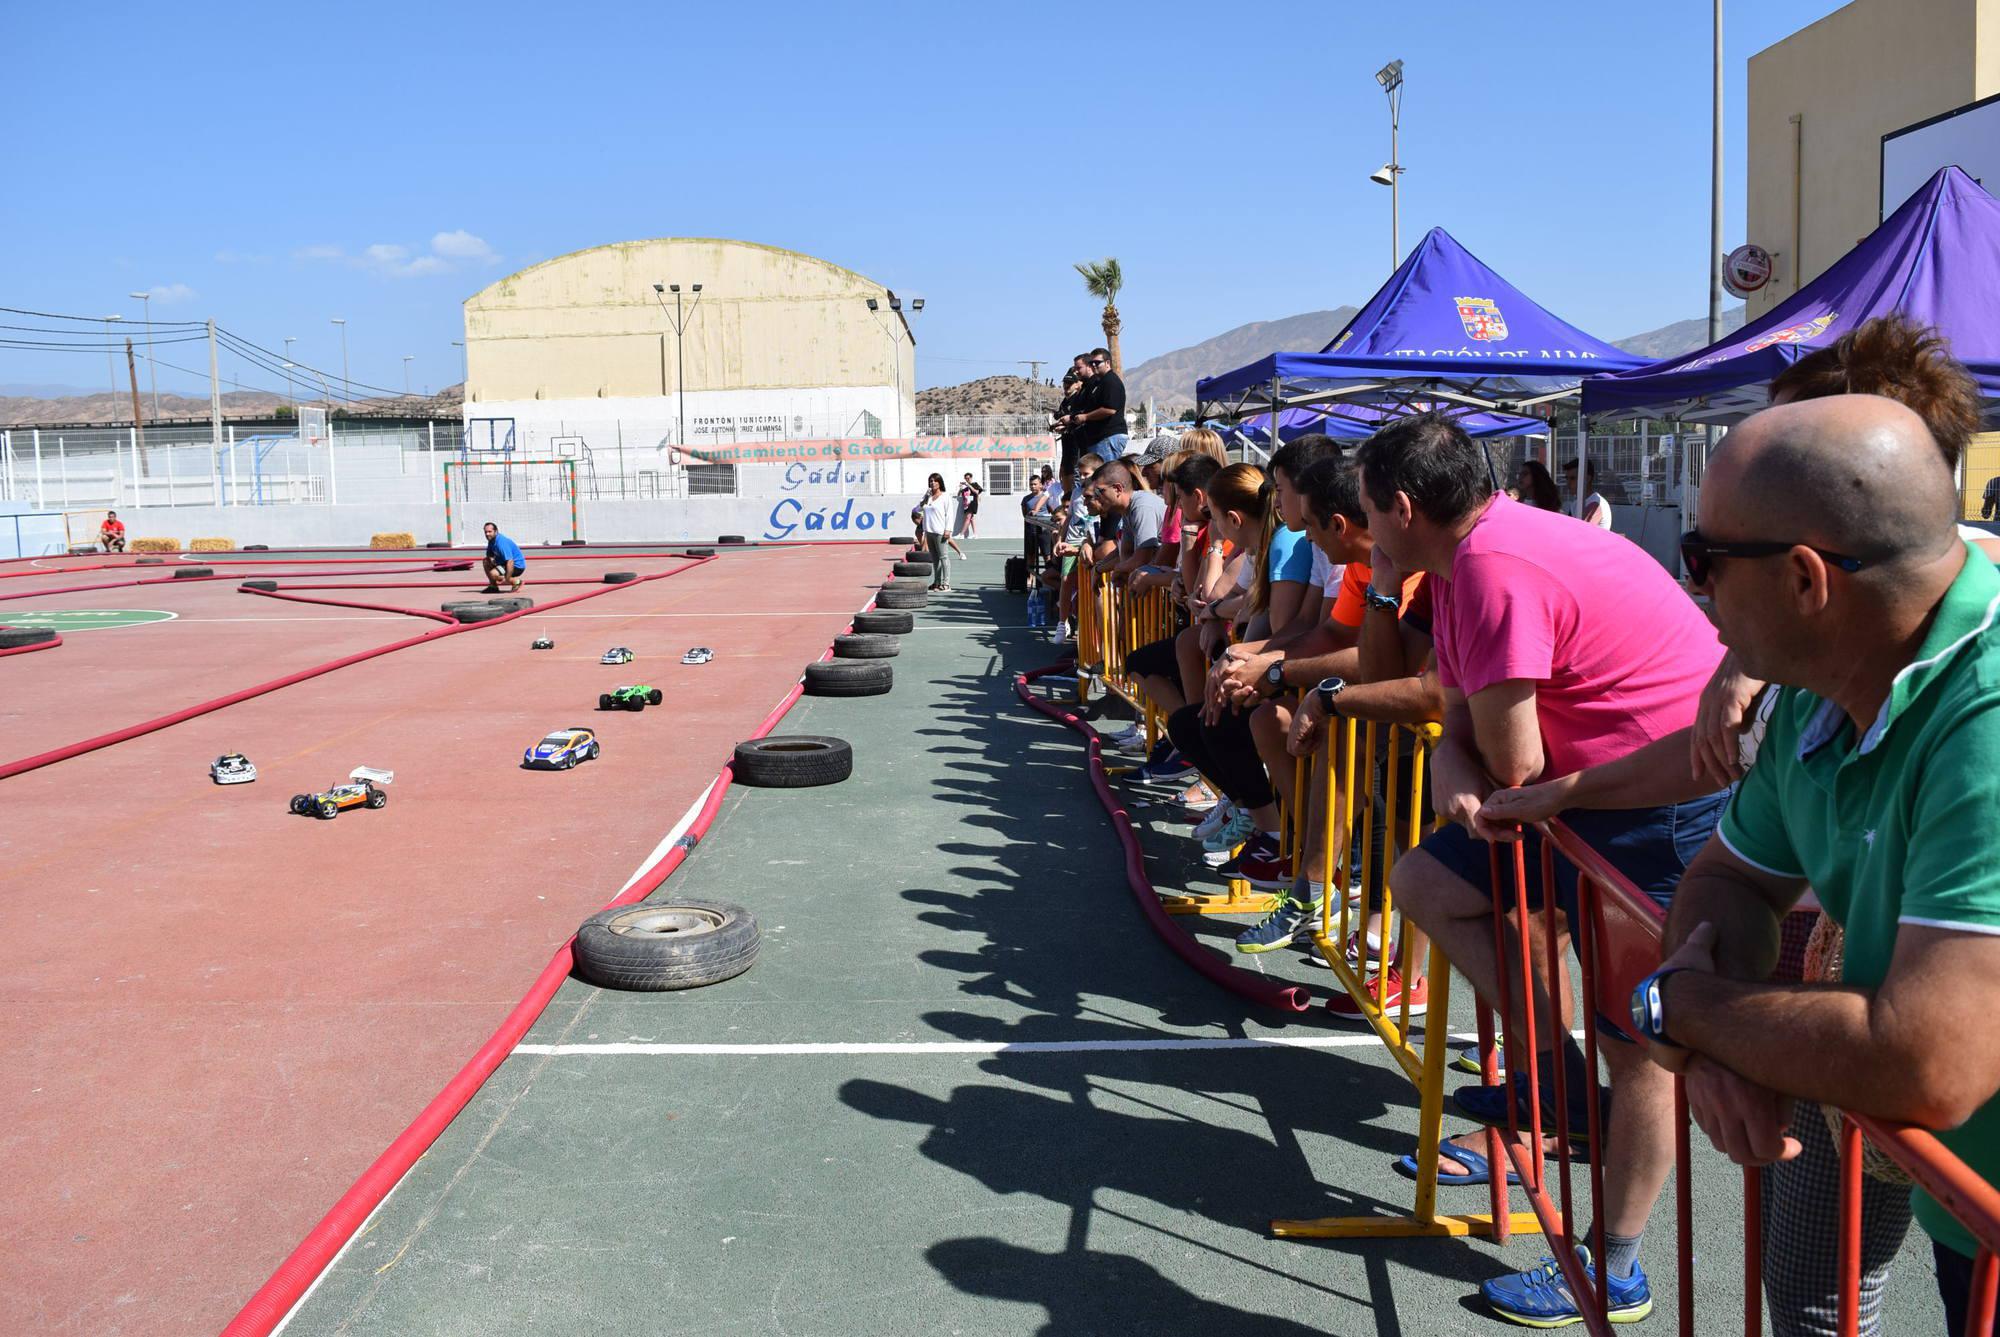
(1130, 739)
(1540, 1297)
(1232, 833)
(1290, 921)
(1170, 769)
(1259, 864)
(1359, 958)
(1217, 816)
(1341, 1005)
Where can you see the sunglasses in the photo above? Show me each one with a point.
(1700, 553)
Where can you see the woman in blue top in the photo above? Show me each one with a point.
(504, 561)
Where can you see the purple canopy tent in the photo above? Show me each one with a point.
(1358, 421)
(1936, 259)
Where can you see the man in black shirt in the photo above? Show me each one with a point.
(1101, 426)
(1076, 398)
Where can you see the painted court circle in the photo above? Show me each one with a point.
(68, 621)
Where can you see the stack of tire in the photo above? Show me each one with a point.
(485, 610)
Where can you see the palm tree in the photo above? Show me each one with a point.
(1102, 279)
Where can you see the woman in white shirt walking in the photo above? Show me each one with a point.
(937, 506)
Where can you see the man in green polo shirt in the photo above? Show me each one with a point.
(1827, 546)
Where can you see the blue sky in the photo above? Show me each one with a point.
(277, 166)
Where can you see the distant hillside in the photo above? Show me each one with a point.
(1683, 336)
(989, 394)
(1170, 378)
(103, 408)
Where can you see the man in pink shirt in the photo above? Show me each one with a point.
(1559, 646)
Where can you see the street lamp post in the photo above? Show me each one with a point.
(346, 385)
(290, 397)
(1390, 76)
(406, 374)
(895, 349)
(152, 371)
(680, 317)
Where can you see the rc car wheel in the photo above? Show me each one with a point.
(731, 538)
(699, 552)
(10, 637)
(849, 677)
(659, 945)
(619, 577)
(635, 703)
(865, 646)
(879, 622)
(654, 697)
(793, 761)
(604, 700)
(299, 804)
(923, 569)
(915, 596)
(378, 799)
(328, 809)
(260, 584)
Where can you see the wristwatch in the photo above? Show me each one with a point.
(1274, 677)
(1329, 690)
(1388, 603)
(1649, 1006)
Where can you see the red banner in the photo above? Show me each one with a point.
(863, 449)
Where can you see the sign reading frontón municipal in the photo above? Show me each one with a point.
(876, 448)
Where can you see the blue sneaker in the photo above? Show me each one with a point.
(1239, 828)
(1290, 921)
(1540, 1298)
(1171, 768)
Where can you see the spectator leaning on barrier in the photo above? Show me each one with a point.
(1989, 500)
(1559, 646)
(1826, 543)
(1139, 515)
(1079, 534)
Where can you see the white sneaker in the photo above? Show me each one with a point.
(1217, 816)
(1062, 630)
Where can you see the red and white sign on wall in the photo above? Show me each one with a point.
(1746, 269)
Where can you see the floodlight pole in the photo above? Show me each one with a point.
(152, 370)
(679, 318)
(1390, 76)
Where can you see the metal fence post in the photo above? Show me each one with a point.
(7, 464)
(40, 503)
(138, 493)
(62, 464)
(232, 468)
(332, 484)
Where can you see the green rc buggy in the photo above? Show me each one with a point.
(629, 698)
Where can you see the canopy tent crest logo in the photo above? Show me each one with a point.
(1482, 319)
(1794, 334)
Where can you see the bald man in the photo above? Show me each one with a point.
(1827, 546)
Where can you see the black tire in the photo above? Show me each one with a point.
(298, 803)
(915, 596)
(378, 799)
(878, 621)
(918, 555)
(457, 606)
(849, 677)
(923, 569)
(635, 703)
(185, 572)
(12, 637)
(260, 584)
(479, 613)
(907, 583)
(572, 543)
(893, 539)
(732, 538)
(437, 545)
(604, 700)
(660, 945)
(256, 547)
(793, 761)
(327, 810)
(620, 577)
(699, 552)
(654, 697)
(513, 603)
(866, 645)
(148, 561)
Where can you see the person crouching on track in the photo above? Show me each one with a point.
(504, 563)
(112, 532)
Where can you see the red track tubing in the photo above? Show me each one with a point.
(1257, 988)
(276, 1297)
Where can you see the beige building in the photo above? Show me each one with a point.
(778, 346)
(1820, 102)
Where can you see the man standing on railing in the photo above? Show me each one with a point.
(1559, 646)
(1827, 546)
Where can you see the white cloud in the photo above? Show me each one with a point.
(168, 293)
(462, 245)
(319, 253)
(384, 254)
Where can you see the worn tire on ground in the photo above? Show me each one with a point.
(913, 596)
(148, 561)
(256, 547)
(620, 577)
(923, 569)
(793, 761)
(181, 572)
(260, 585)
(877, 621)
(12, 637)
(437, 545)
(849, 677)
(572, 543)
(699, 552)
(513, 603)
(732, 538)
(865, 645)
(660, 945)
(479, 613)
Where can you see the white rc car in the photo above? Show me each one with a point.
(232, 768)
(617, 654)
(701, 654)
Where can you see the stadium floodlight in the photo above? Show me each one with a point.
(873, 305)
(658, 288)
(916, 304)
(1390, 76)
(697, 287)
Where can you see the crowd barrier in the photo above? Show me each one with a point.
(1617, 941)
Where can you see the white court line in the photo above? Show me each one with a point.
(650, 1049)
(660, 850)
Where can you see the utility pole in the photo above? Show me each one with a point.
(214, 390)
(152, 369)
(406, 374)
(1034, 366)
(1715, 192)
(132, 378)
(346, 386)
(290, 398)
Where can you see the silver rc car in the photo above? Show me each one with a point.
(617, 654)
(232, 768)
(700, 654)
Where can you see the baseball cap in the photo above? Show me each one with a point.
(1157, 450)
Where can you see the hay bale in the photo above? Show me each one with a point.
(397, 540)
(156, 545)
(212, 545)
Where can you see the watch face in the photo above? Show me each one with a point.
(1639, 1010)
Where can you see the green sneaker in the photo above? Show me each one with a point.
(1290, 921)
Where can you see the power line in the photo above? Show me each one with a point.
(99, 320)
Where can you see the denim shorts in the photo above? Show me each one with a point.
(1111, 447)
(1652, 847)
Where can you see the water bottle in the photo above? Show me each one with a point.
(1037, 616)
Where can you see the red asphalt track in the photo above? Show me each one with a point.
(221, 1013)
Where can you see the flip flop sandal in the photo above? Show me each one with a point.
(1478, 1170)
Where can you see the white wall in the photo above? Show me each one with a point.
(714, 417)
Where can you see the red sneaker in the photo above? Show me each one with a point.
(1391, 998)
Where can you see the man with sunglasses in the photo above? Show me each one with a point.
(1828, 550)
(1098, 422)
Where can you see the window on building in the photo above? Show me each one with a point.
(1006, 477)
(711, 480)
